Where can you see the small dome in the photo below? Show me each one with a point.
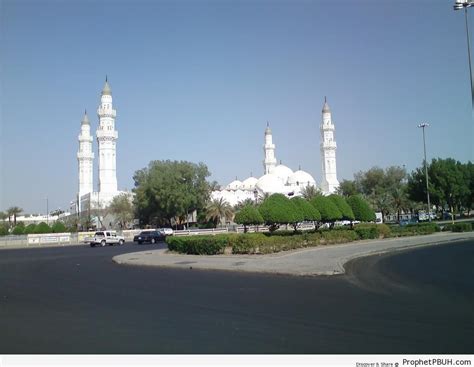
(106, 90)
(282, 172)
(270, 183)
(234, 185)
(301, 178)
(249, 183)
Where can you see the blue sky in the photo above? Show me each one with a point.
(197, 81)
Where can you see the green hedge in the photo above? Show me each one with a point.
(198, 245)
(458, 227)
(366, 233)
(370, 230)
(415, 229)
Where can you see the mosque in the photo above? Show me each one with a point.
(278, 178)
(106, 136)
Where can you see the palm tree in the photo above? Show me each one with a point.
(399, 200)
(241, 204)
(218, 209)
(310, 192)
(13, 211)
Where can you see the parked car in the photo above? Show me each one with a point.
(166, 231)
(404, 222)
(149, 236)
(103, 238)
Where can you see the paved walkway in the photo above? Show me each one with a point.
(321, 260)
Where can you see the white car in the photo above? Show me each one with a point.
(103, 238)
(166, 231)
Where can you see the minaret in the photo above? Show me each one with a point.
(328, 146)
(106, 139)
(269, 163)
(85, 158)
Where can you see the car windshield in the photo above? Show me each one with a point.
(145, 232)
(99, 233)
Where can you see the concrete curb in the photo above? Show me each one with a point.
(320, 260)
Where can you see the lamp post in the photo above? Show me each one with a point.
(464, 4)
(47, 211)
(422, 126)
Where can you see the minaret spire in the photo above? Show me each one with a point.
(328, 152)
(85, 158)
(269, 161)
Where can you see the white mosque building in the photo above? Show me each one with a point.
(279, 178)
(106, 136)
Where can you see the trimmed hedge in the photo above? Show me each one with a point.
(458, 227)
(369, 230)
(415, 229)
(198, 245)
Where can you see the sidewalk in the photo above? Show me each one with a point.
(321, 260)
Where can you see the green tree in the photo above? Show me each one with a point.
(343, 207)
(42, 228)
(244, 203)
(361, 209)
(58, 227)
(19, 229)
(309, 212)
(218, 210)
(122, 209)
(3, 229)
(277, 209)
(347, 188)
(309, 192)
(248, 216)
(329, 211)
(3, 216)
(13, 212)
(170, 189)
(30, 228)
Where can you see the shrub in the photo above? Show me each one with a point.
(309, 212)
(415, 229)
(248, 215)
(3, 230)
(42, 228)
(277, 209)
(381, 230)
(58, 227)
(329, 211)
(340, 236)
(18, 230)
(198, 245)
(361, 209)
(30, 228)
(366, 233)
(458, 227)
(344, 208)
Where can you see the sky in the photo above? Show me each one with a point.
(198, 80)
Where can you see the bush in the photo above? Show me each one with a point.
(3, 230)
(198, 245)
(344, 208)
(329, 211)
(18, 230)
(58, 227)
(415, 229)
(361, 209)
(277, 209)
(247, 216)
(381, 230)
(309, 212)
(42, 228)
(339, 236)
(30, 228)
(458, 227)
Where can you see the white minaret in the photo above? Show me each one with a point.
(269, 163)
(106, 138)
(328, 145)
(85, 158)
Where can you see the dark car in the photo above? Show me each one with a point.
(149, 236)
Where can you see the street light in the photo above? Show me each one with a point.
(464, 4)
(47, 211)
(422, 126)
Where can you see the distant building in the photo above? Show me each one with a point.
(279, 178)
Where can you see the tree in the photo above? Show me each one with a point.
(244, 203)
(399, 200)
(3, 229)
(277, 209)
(309, 192)
(58, 227)
(248, 216)
(3, 216)
(361, 209)
(344, 208)
(217, 210)
(309, 212)
(30, 228)
(329, 211)
(13, 212)
(19, 229)
(347, 188)
(169, 189)
(122, 209)
(42, 228)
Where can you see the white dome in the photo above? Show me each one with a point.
(282, 172)
(270, 183)
(301, 178)
(234, 185)
(249, 183)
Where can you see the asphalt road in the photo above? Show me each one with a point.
(75, 300)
